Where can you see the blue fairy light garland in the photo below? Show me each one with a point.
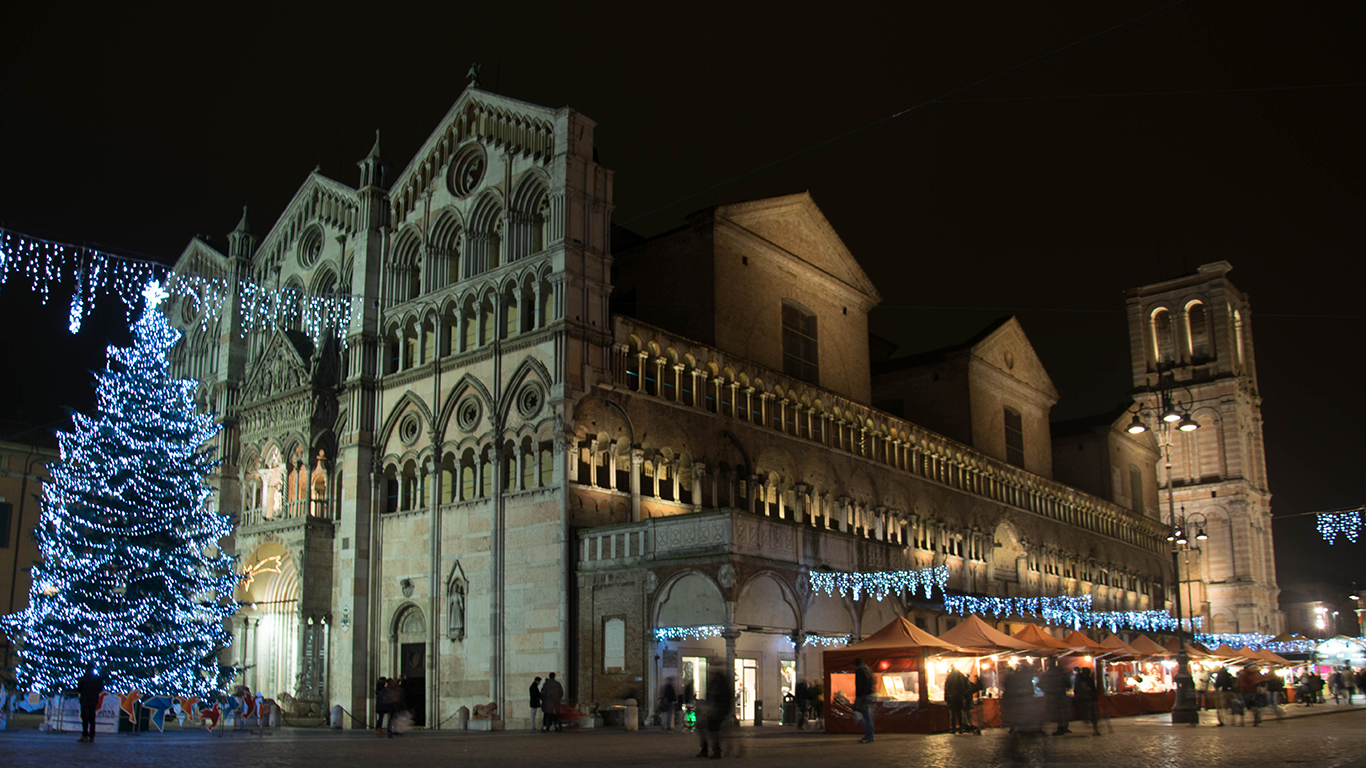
(879, 584)
(94, 273)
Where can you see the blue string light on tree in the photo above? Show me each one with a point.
(879, 584)
(132, 581)
(688, 633)
(1347, 523)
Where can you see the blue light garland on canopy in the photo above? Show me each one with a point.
(93, 273)
(879, 584)
(1346, 522)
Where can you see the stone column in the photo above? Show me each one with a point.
(799, 504)
(637, 459)
(699, 476)
(731, 634)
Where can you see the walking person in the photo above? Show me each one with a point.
(1223, 692)
(1085, 695)
(392, 701)
(720, 706)
(551, 695)
(1349, 679)
(1335, 682)
(89, 688)
(955, 691)
(1249, 680)
(668, 700)
(863, 698)
(381, 709)
(535, 701)
(1055, 685)
(802, 703)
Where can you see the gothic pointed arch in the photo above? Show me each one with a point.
(467, 386)
(396, 412)
(530, 369)
(767, 600)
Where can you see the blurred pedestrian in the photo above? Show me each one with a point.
(1223, 693)
(551, 695)
(1249, 680)
(1336, 685)
(720, 707)
(88, 688)
(1055, 686)
(667, 701)
(392, 701)
(535, 700)
(863, 698)
(802, 702)
(1087, 698)
(955, 691)
(817, 692)
(381, 709)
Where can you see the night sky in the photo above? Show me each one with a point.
(1218, 130)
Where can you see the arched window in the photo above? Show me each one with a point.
(404, 284)
(800, 351)
(1164, 351)
(1197, 333)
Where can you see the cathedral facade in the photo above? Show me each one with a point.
(497, 473)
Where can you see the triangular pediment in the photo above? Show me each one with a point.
(320, 199)
(200, 258)
(1009, 350)
(795, 224)
(281, 369)
(509, 123)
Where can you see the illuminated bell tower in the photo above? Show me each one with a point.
(1193, 334)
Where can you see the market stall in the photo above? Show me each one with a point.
(897, 654)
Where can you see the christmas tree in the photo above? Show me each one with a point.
(132, 581)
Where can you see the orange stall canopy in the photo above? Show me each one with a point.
(1083, 644)
(1147, 647)
(1035, 635)
(976, 635)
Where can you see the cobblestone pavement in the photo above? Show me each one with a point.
(1336, 739)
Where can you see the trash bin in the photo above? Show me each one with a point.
(758, 712)
(789, 709)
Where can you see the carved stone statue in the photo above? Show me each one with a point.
(473, 75)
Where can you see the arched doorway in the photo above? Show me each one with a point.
(410, 647)
(267, 626)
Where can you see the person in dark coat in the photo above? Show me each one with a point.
(1054, 684)
(380, 709)
(551, 695)
(955, 691)
(1086, 696)
(668, 701)
(391, 701)
(802, 699)
(89, 688)
(720, 706)
(535, 699)
(864, 687)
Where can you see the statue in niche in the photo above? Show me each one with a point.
(455, 603)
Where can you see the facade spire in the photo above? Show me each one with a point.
(373, 169)
(240, 240)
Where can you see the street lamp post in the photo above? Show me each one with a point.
(1172, 417)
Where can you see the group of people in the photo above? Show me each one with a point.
(389, 704)
(1024, 712)
(547, 698)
